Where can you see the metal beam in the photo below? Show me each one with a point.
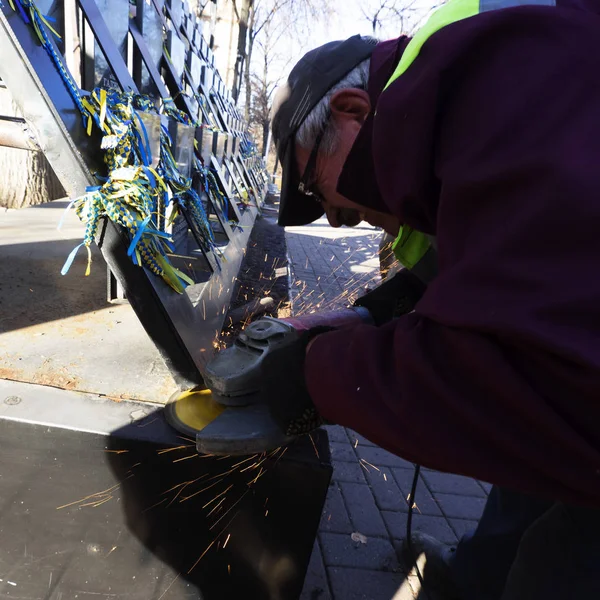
(55, 122)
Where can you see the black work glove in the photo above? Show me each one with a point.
(394, 297)
(284, 386)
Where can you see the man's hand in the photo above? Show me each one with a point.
(394, 297)
(284, 386)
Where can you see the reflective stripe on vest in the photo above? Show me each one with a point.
(451, 12)
(410, 245)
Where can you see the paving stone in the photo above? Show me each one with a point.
(330, 293)
(360, 584)
(388, 495)
(426, 502)
(487, 487)
(308, 282)
(351, 472)
(335, 517)
(316, 586)
(340, 551)
(336, 434)
(323, 269)
(356, 437)
(462, 526)
(342, 452)
(378, 457)
(428, 594)
(363, 511)
(438, 527)
(448, 483)
(463, 507)
(303, 268)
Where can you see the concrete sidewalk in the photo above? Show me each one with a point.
(356, 556)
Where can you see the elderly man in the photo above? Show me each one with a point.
(481, 136)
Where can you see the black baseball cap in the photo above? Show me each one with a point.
(313, 76)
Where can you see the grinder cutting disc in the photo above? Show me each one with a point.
(226, 431)
(190, 412)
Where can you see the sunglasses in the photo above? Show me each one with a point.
(307, 179)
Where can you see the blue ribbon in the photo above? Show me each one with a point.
(138, 234)
(150, 177)
(70, 259)
(64, 215)
(147, 147)
(141, 148)
(23, 14)
(166, 132)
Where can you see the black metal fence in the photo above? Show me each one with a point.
(156, 50)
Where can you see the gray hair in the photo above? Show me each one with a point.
(318, 118)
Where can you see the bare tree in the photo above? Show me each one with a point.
(264, 81)
(394, 17)
(242, 14)
(260, 107)
(376, 14)
(255, 16)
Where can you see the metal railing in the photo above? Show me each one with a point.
(159, 51)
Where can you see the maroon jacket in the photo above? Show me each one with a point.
(491, 142)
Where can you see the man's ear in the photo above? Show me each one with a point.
(350, 104)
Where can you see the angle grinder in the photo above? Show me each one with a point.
(230, 416)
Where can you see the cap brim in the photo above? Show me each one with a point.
(295, 208)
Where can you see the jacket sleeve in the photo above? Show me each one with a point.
(450, 400)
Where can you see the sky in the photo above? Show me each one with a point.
(349, 19)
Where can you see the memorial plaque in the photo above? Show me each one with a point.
(192, 103)
(194, 65)
(198, 34)
(116, 17)
(203, 47)
(207, 77)
(204, 75)
(182, 147)
(177, 50)
(153, 32)
(149, 130)
(220, 149)
(176, 10)
(179, 233)
(206, 147)
(228, 145)
(189, 29)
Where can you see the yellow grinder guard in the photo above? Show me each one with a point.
(192, 411)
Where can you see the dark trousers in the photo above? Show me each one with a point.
(529, 549)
